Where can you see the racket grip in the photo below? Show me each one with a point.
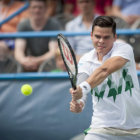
(73, 86)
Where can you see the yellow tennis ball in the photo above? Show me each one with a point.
(26, 89)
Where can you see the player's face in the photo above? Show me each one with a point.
(37, 9)
(103, 39)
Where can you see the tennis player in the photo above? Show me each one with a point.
(109, 73)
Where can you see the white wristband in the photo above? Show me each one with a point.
(85, 87)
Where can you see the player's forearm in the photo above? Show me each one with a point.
(100, 74)
(97, 77)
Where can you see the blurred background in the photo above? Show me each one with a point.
(29, 54)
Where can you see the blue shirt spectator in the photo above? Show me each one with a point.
(128, 7)
(129, 10)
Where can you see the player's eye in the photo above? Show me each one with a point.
(97, 36)
(106, 37)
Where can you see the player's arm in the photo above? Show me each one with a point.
(100, 74)
(77, 106)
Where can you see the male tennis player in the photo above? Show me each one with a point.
(110, 71)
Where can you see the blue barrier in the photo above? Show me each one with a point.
(55, 33)
(45, 114)
(38, 75)
(34, 75)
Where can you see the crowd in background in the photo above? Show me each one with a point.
(42, 54)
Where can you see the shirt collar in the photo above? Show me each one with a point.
(92, 56)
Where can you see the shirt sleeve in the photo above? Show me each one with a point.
(123, 50)
(84, 65)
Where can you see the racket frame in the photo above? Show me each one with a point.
(72, 77)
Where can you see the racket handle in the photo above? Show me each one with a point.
(73, 85)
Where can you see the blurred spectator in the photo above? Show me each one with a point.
(8, 7)
(60, 67)
(56, 7)
(128, 10)
(103, 7)
(53, 7)
(132, 40)
(7, 63)
(83, 22)
(31, 52)
(55, 64)
(71, 7)
(138, 66)
(59, 10)
(121, 24)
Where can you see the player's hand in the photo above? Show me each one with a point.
(76, 94)
(76, 107)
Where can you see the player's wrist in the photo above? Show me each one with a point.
(82, 103)
(85, 86)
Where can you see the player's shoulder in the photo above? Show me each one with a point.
(85, 62)
(122, 46)
(87, 57)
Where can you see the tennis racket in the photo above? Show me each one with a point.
(69, 59)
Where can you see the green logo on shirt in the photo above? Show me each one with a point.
(114, 89)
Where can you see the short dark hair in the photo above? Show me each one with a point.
(105, 21)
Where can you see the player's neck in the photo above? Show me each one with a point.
(100, 56)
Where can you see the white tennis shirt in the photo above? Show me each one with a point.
(116, 102)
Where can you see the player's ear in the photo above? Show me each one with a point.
(91, 35)
(115, 37)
